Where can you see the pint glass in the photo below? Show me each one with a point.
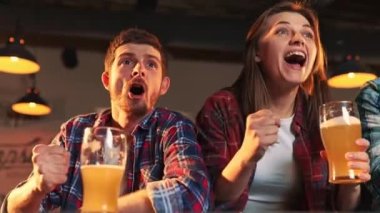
(340, 127)
(103, 158)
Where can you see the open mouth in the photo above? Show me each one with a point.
(137, 89)
(296, 58)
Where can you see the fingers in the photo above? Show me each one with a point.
(264, 124)
(261, 118)
(360, 161)
(267, 131)
(362, 143)
(50, 165)
(365, 177)
(357, 156)
(51, 154)
(261, 132)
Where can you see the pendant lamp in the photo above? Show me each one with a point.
(16, 59)
(352, 73)
(32, 103)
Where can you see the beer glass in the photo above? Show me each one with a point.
(103, 159)
(340, 127)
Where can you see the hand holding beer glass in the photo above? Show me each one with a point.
(340, 128)
(103, 158)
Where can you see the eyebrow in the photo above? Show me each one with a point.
(145, 55)
(287, 23)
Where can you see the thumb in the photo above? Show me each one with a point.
(38, 148)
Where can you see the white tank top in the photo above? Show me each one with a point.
(275, 175)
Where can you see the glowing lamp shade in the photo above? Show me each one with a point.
(351, 74)
(32, 104)
(16, 59)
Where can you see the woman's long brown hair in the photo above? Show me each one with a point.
(250, 88)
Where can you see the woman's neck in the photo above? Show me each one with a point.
(283, 101)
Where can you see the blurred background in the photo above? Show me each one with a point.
(204, 39)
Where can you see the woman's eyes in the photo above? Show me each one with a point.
(282, 31)
(308, 35)
(285, 32)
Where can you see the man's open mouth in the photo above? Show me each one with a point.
(137, 89)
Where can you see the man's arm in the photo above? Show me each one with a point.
(184, 186)
(26, 198)
(368, 103)
(137, 202)
(348, 197)
(50, 166)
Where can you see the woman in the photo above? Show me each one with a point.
(260, 136)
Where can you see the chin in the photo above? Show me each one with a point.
(139, 108)
(139, 112)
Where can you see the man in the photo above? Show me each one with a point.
(165, 171)
(368, 102)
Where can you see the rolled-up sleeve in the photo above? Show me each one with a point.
(185, 186)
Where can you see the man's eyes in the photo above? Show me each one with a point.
(127, 61)
(148, 64)
(152, 64)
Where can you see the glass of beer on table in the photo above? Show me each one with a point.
(103, 159)
(340, 128)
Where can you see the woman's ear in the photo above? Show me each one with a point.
(105, 79)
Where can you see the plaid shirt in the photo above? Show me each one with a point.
(368, 102)
(222, 128)
(164, 158)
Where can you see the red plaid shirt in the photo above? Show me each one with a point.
(164, 158)
(221, 132)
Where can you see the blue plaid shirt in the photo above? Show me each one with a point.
(164, 158)
(368, 102)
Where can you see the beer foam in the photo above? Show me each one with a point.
(104, 166)
(341, 120)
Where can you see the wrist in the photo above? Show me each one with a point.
(245, 160)
(36, 189)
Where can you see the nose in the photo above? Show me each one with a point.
(137, 70)
(297, 39)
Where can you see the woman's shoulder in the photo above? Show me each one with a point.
(222, 96)
(221, 102)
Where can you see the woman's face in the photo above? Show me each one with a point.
(287, 49)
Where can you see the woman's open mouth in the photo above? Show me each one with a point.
(295, 58)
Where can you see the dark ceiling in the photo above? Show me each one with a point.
(196, 29)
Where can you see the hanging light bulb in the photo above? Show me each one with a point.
(16, 59)
(32, 103)
(351, 74)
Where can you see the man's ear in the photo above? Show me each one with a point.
(105, 79)
(165, 84)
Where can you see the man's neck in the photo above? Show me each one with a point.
(125, 120)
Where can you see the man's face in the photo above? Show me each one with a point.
(135, 80)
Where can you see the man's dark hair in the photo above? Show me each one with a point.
(135, 36)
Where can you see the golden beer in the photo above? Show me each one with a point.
(101, 184)
(339, 136)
